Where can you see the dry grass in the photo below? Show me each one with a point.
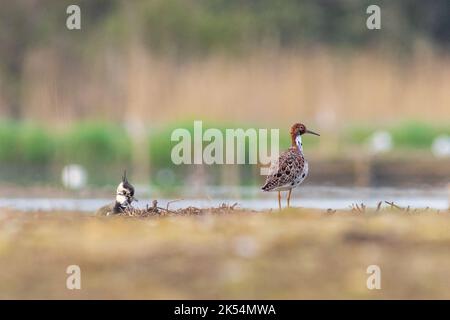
(320, 85)
(291, 254)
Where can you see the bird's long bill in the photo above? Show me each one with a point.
(312, 132)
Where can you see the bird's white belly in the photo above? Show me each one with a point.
(299, 179)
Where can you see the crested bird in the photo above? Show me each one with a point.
(291, 167)
(124, 199)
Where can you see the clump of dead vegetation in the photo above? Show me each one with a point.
(361, 208)
(155, 210)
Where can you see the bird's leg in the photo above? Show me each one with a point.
(289, 198)
(279, 200)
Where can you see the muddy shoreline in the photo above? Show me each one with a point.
(295, 254)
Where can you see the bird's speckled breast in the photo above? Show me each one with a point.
(302, 176)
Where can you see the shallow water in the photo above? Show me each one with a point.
(252, 198)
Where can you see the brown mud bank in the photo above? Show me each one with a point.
(229, 253)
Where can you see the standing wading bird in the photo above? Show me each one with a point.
(124, 199)
(291, 167)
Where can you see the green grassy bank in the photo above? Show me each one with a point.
(106, 147)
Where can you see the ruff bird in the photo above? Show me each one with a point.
(291, 167)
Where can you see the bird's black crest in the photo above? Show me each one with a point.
(126, 184)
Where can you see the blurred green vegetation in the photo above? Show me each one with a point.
(410, 134)
(186, 27)
(25, 143)
(29, 151)
(98, 143)
(92, 143)
(204, 25)
(84, 143)
(416, 134)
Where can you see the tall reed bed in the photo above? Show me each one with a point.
(323, 87)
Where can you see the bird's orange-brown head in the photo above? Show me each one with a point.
(299, 129)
